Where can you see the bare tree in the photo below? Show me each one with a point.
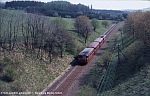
(60, 29)
(9, 32)
(40, 36)
(84, 27)
(16, 27)
(2, 17)
(50, 40)
(25, 28)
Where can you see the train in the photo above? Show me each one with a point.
(87, 53)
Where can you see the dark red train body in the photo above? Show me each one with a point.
(86, 55)
(100, 41)
(94, 45)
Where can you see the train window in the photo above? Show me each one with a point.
(79, 56)
(85, 52)
(84, 57)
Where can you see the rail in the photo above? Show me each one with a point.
(65, 85)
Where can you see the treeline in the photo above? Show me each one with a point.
(47, 38)
(54, 8)
(65, 9)
(108, 14)
(22, 4)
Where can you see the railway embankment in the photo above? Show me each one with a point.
(127, 71)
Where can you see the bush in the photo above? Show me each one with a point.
(8, 70)
(10, 75)
(6, 61)
(3, 64)
(87, 91)
(134, 49)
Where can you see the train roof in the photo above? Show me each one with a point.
(93, 45)
(86, 51)
(102, 36)
(98, 39)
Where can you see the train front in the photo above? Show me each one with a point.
(84, 55)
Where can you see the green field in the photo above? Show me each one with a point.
(34, 75)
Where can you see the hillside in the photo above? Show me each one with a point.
(27, 68)
(129, 78)
(125, 69)
(137, 84)
(132, 73)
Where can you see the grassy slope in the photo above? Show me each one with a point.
(133, 83)
(137, 85)
(36, 75)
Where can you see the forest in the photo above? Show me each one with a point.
(65, 9)
(54, 8)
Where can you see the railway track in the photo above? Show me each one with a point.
(63, 87)
(68, 81)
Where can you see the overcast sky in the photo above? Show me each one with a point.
(107, 4)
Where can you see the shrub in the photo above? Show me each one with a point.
(3, 65)
(6, 61)
(8, 69)
(10, 75)
(87, 91)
